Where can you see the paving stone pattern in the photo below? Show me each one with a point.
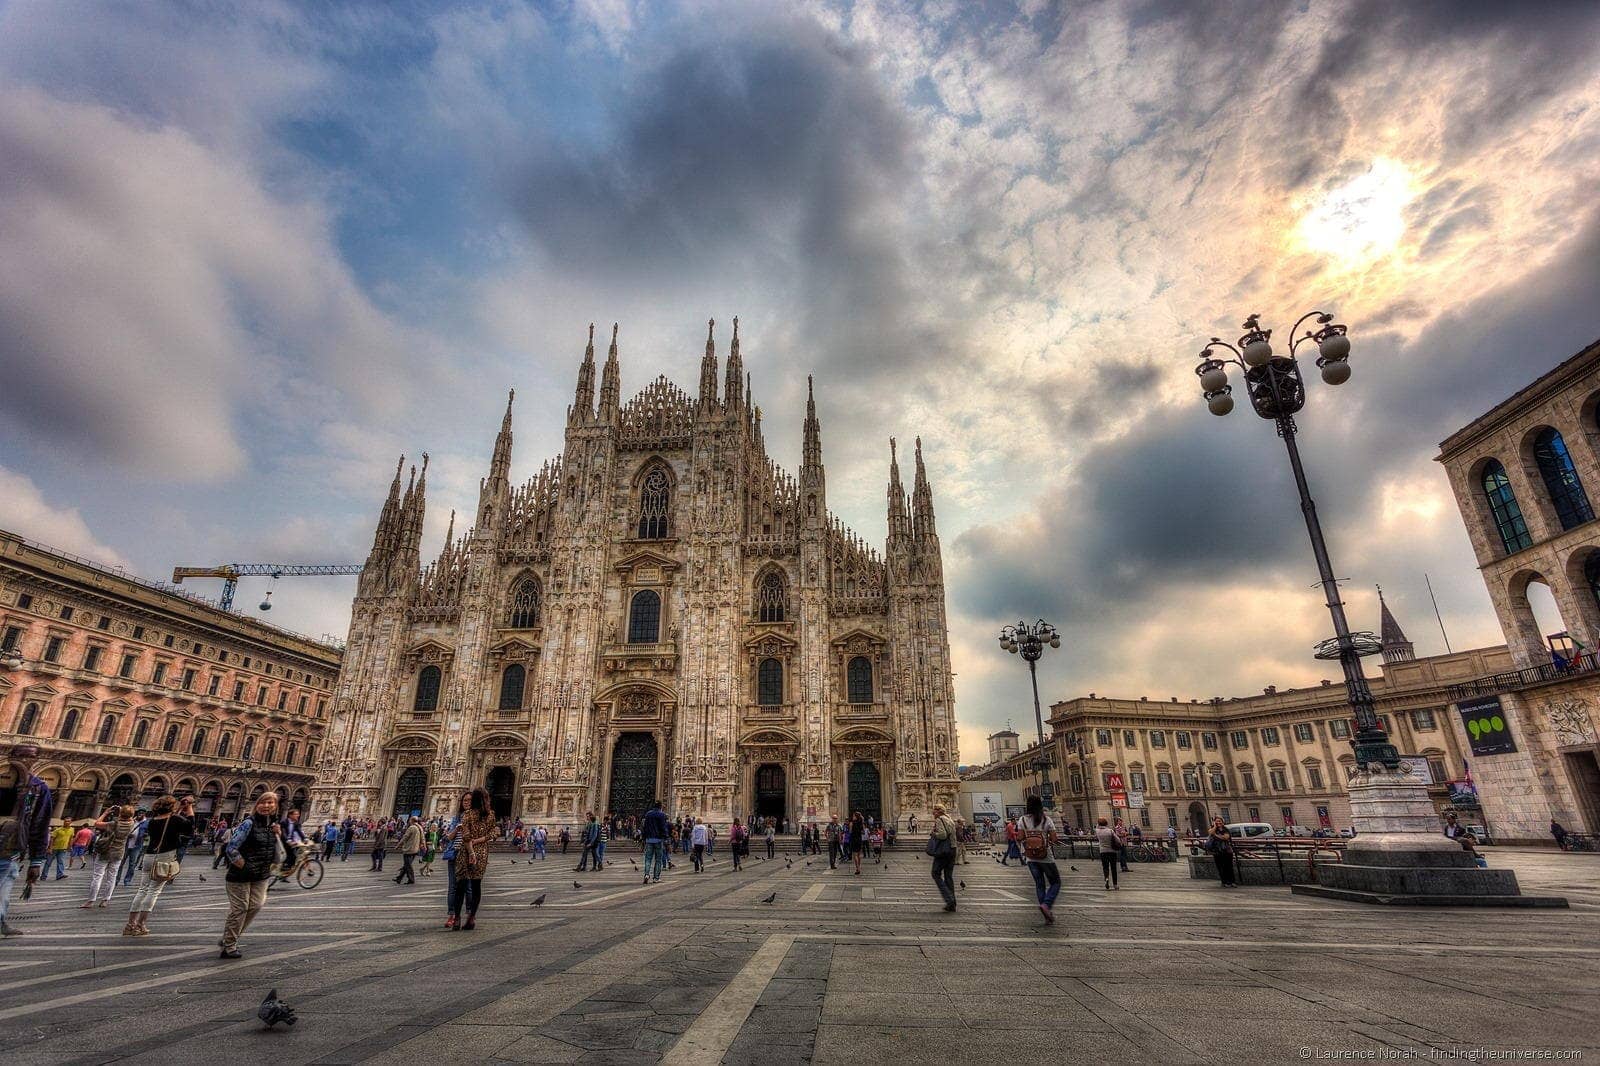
(840, 969)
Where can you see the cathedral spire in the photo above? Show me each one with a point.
(415, 506)
(708, 369)
(811, 448)
(583, 400)
(733, 392)
(922, 500)
(1396, 648)
(494, 492)
(611, 383)
(899, 521)
(383, 536)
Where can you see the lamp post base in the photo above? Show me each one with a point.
(1400, 856)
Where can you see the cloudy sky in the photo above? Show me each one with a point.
(250, 253)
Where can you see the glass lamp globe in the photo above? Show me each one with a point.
(1336, 372)
(1334, 346)
(1257, 352)
(1220, 404)
(1213, 379)
(1055, 642)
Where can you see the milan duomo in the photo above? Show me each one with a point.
(660, 612)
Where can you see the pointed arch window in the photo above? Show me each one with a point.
(249, 748)
(272, 750)
(427, 689)
(769, 683)
(1561, 479)
(859, 678)
(525, 604)
(69, 724)
(224, 745)
(108, 729)
(170, 741)
(655, 501)
(512, 680)
(141, 732)
(644, 617)
(29, 719)
(1508, 520)
(197, 743)
(772, 597)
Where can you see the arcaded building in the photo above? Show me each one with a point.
(660, 611)
(1524, 475)
(133, 689)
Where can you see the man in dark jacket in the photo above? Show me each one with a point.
(25, 834)
(656, 834)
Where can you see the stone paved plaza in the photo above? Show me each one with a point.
(839, 969)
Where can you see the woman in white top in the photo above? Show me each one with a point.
(1109, 846)
(1036, 832)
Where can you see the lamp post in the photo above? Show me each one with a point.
(1277, 391)
(1029, 641)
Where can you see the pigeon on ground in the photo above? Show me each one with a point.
(576, 885)
(963, 884)
(274, 1010)
(1071, 867)
(633, 864)
(540, 901)
(202, 877)
(770, 898)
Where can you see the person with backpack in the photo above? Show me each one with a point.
(1037, 833)
(942, 846)
(1013, 850)
(1110, 847)
(171, 822)
(254, 851)
(106, 850)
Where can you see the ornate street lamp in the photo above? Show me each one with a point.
(1277, 391)
(1030, 642)
(1398, 850)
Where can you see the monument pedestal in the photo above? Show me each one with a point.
(1399, 856)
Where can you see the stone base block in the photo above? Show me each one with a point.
(1443, 885)
(1351, 895)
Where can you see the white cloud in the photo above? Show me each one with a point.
(24, 510)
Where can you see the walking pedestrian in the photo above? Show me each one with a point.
(587, 838)
(108, 846)
(474, 834)
(25, 833)
(254, 848)
(1122, 844)
(347, 839)
(698, 837)
(772, 843)
(1106, 837)
(961, 841)
(80, 844)
(858, 840)
(380, 845)
(656, 833)
(942, 846)
(60, 844)
(1013, 851)
(566, 838)
(330, 840)
(834, 830)
(607, 825)
(171, 822)
(451, 850)
(1037, 832)
(1220, 844)
(410, 844)
(133, 849)
(737, 847)
(875, 836)
(540, 837)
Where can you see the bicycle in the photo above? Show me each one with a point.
(306, 872)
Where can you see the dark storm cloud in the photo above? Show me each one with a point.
(1185, 505)
(760, 153)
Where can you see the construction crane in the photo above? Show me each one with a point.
(230, 573)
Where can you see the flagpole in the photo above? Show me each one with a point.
(1436, 613)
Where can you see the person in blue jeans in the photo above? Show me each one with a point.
(656, 833)
(449, 856)
(600, 842)
(1037, 833)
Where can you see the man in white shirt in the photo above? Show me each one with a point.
(699, 836)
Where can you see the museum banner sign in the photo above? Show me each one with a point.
(1488, 732)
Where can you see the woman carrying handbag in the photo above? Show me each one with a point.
(171, 822)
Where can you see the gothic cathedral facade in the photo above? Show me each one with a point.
(660, 612)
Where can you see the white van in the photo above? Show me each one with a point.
(1250, 831)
